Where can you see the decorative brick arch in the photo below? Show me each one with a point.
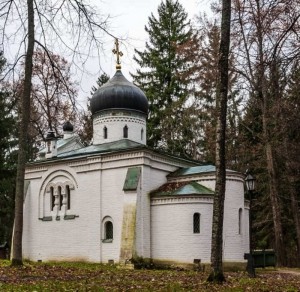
(57, 184)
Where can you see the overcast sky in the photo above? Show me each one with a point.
(128, 20)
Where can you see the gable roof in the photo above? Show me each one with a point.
(63, 143)
(182, 189)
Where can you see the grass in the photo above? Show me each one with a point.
(97, 277)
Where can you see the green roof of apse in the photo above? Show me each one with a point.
(182, 189)
(193, 170)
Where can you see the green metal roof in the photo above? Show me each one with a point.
(182, 189)
(193, 170)
(60, 143)
(132, 179)
(106, 147)
(200, 169)
(194, 188)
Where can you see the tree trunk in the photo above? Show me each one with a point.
(295, 212)
(262, 89)
(23, 130)
(276, 210)
(216, 274)
(292, 178)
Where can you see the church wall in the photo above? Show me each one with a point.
(112, 207)
(128, 225)
(30, 237)
(88, 206)
(115, 201)
(163, 227)
(234, 244)
(246, 241)
(47, 237)
(233, 238)
(172, 236)
(76, 239)
(154, 174)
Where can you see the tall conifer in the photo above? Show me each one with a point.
(165, 75)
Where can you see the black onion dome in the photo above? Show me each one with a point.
(67, 127)
(50, 136)
(119, 93)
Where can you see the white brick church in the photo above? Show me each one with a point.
(118, 199)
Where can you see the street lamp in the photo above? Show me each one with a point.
(250, 185)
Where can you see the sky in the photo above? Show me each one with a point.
(127, 21)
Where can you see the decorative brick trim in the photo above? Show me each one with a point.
(46, 218)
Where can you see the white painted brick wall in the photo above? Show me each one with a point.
(115, 125)
(171, 236)
(65, 239)
(81, 238)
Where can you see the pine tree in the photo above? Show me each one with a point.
(102, 79)
(165, 76)
(8, 159)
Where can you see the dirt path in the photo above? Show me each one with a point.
(291, 272)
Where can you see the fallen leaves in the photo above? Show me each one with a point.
(97, 277)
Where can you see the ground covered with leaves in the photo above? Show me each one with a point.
(97, 277)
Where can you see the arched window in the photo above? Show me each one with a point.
(108, 230)
(55, 196)
(196, 223)
(68, 197)
(52, 199)
(105, 132)
(240, 220)
(125, 132)
(142, 134)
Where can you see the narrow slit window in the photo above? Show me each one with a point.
(60, 196)
(240, 220)
(142, 134)
(52, 199)
(105, 132)
(68, 198)
(125, 132)
(196, 223)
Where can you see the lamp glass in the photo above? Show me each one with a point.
(250, 182)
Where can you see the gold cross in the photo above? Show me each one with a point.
(119, 54)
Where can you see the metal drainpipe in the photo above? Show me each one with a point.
(100, 201)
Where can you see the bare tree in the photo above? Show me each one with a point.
(268, 33)
(216, 274)
(53, 97)
(73, 25)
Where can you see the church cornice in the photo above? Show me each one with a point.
(230, 176)
(181, 200)
(102, 160)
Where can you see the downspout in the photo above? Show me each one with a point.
(100, 213)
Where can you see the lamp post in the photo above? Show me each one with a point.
(250, 185)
